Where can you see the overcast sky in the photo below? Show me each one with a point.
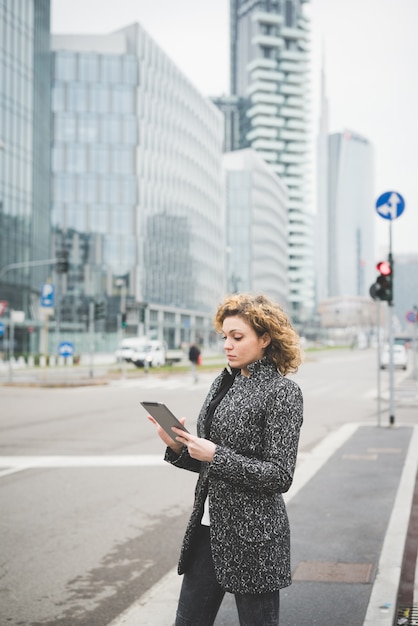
(371, 60)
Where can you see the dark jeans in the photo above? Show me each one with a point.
(201, 596)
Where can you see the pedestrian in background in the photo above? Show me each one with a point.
(194, 358)
(238, 537)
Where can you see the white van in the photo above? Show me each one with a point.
(151, 353)
(142, 351)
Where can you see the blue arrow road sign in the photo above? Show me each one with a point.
(390, 205)
(1, 329)
(66, 348)
(47, 295)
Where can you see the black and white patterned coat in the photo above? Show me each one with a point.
(256, 431)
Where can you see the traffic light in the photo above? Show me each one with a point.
(62, 264)
(123, 320)
(99, 310)
(382, 289)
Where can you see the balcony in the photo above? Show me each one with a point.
(293, 55)
(266, 98)
(292, 33)
(289, 135)
(292, 158)
(262, 109)
(269, 41)
(297, 68)
(292, 90)
(267, 144)
(261, 86)
(267, 18)
(261, 132)
(262, 64)
(264, 120)
(269, 75)
(290, 112)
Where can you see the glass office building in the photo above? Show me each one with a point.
(24, 155)
(269, 67)
(256, 227)
(137, 185)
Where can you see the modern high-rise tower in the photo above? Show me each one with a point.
(269, 67)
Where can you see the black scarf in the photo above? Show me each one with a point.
(226, 384)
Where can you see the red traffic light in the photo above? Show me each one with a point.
(384, 268)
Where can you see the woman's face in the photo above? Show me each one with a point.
(242, 344)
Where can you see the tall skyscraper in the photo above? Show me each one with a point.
(24, 153)
(346, 217)
(269, 68)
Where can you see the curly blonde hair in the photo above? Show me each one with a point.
(264, 316)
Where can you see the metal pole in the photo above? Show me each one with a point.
(390, 314)
(91, 336)
(11, 346)
(414, 343)
(378, 362)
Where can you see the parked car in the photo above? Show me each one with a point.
(400, 357)
(149, 354)
(127, 346)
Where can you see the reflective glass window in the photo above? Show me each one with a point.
(111, 129)
(64, 188)
(58, 97)
(88, 67)
(129, 129)
(130, 70)
(122, 99)
(87, 189)
(111, 69)
(65, 66)
(65, 127)
(99, 98)
(77, 97)
(129, 190)
(99, 218)
(99, 159)
(122, 160)
(87, 128)
(110, 190)
(122, 220)
(76, 158)
(76, 217)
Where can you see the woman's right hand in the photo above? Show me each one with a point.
(174, 445)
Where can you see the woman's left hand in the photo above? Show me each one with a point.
(199, 448)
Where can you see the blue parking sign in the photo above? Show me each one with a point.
(47, 295)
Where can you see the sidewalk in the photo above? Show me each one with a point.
(349, 509)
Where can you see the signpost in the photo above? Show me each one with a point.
(389, 206)
(66, 348)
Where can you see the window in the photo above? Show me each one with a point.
(129, 130)
(87, 128)
(122, 160)
(87, 189)
(88, 67)
(58, 97)
(122, 99)
(99, 159)
(111, 129)
(111, 70)
(76, 159)
(65, 66)
(77, 97)
(65, 127)
(130, 70)
(99, 98)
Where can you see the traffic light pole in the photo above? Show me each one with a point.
(390, 314)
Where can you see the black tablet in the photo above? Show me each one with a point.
(164, 417)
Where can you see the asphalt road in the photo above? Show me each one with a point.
(90, 516)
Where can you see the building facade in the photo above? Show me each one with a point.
(256, 227)
(346, 217)
(24, 156)
(269, 68)
(137, 185)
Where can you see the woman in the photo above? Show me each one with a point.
(237, 539)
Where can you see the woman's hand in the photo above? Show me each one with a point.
(176, 447)
(199, 448)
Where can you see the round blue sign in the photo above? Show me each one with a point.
(411, 317)
(390, 205)
(66, 348)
